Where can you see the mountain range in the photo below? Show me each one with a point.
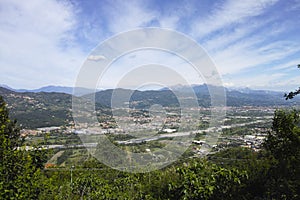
(53, 88)
(51, 106)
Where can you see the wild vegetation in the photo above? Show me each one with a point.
(234, 173)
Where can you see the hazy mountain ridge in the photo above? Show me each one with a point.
(37, 109)
(181, 88)
(52, 88)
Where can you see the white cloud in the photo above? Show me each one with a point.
(36, 43)
(123, 16)
(236, 39)
(246, 54)
(170, 22)
(291, 65)
(292, 82)
(231, 12)
(294, 5)
(38, 38)
(96, 57)
(43, 17)
(266, 81)
(228, 84)
(228, 37)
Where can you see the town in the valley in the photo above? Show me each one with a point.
(146, 132)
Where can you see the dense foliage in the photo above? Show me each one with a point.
(235, 173)
(283, 144)
(19, 169)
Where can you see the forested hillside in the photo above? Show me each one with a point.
(41, 109)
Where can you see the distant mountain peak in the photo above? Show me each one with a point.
(53, 88)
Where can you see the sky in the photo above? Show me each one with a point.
(253, 43)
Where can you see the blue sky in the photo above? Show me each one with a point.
(254, 43)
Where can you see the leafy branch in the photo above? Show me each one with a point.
(292, 94)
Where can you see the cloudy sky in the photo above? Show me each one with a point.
(253, 43)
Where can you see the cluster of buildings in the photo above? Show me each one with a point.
(252, 118)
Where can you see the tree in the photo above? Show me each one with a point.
(19, 169)
(292, 94)
(10, 134)
(204, 180)
(283, 144)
